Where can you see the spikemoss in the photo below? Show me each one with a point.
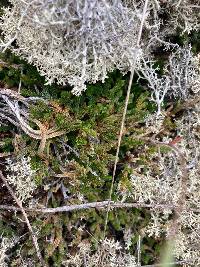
(81, 161)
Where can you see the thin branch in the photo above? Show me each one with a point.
(5, 154)
(19, 203)
(11, 93)
(139, 251)
(98, 205)
(124, 114)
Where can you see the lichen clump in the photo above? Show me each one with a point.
(72, 41)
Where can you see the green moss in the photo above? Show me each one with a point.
(41, 169)
(91, 123)
(41, 111)
(6, 145)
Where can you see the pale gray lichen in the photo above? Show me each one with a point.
(72, 41)
(21, 176)
(109, 254)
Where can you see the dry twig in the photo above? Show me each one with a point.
(19, 203)
(125, 111)
(96, 205)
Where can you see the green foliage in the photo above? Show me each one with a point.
(91, 123)
(40, 168)
(41, 111)
(6, 144)
(84, 167)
